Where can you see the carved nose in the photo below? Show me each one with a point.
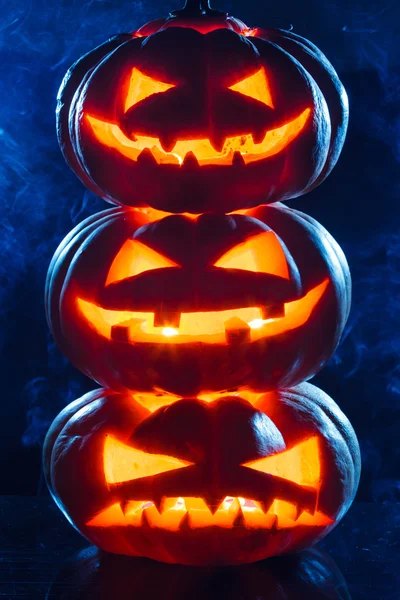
(224, 432)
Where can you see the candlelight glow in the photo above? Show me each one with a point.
(274, 141)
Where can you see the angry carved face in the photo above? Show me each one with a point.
(290, 502)
(199, 479)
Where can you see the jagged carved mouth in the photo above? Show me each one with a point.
(238, 150)
(215, 327)
(287, 488)
(193, 513)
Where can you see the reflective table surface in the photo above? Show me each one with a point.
(42, 556)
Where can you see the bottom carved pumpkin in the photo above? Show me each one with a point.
(225, 479)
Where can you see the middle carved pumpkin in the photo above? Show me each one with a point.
(188, 305)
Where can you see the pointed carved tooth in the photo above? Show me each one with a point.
(212, 508)
(274, 526)
(239, 520)
(146, 157)
(217, 142)
(238, 160)
(125, 506)
(299, 512)
(265, 505)
(274, 311)
(237, 331)
(213, 504)
(164, 318)
(235, 506)
(163, 505)
(158, 503)
(168, 143)
(145, 519)
(258, 136)
(190, 161)
(184, 525)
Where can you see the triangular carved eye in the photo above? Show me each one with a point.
(124, 463)
(142, 86)
(135, 258)
(262, 253)
(256, 86)
(301, 464)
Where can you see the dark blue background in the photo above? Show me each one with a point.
(41, 200)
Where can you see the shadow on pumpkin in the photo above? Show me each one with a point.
(309, 575)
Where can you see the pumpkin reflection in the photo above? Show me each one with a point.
(310, 575)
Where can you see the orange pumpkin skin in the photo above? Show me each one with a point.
(201, 59)
(284, 351)
(278, 423)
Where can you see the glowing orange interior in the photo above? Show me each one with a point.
(153, 214)
(209, 327)
(300, 464)
(135, 258)
(153, 400)
(262, 253)
(142, 86)
(256, 86)
(275, 140)
(122, 462)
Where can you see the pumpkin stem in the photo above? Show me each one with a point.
(196, 8)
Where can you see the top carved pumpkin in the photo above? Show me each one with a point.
(198, 112)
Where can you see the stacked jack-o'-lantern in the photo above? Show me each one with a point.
(201, 303)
